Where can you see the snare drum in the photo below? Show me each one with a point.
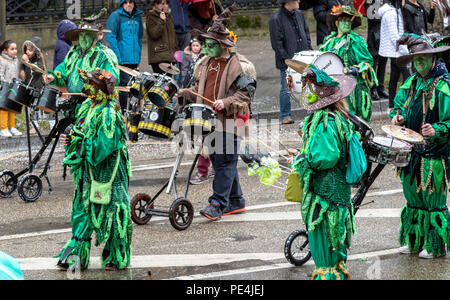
(5, 103)
(162, 92)
(48, 98)
(157, 122)
(328, 62)
(142, 84)
(20, 93)
(199, 119)
(384, 150)
(133, 122)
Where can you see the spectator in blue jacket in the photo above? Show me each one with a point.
(180, 14)
(125, 39)
(62, 45)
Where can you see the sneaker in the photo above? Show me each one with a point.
(15, 132)
(212, 173)
(287, 120)
(424, 254)
(5, 133)
(230, 210)
(199, 179)
(405, 250)
(212, 211)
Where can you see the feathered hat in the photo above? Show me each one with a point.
(417, 45)
(88, 24)
(338, 11)
(320, 89)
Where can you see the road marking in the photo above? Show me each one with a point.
(193, 260)
(278, 266)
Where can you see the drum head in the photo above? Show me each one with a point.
(391, 142)
(402, 133)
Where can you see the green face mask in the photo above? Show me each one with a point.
(423, 63)
(85, 40)
(211, 48)
(344, 26)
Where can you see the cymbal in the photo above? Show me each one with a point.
(129, 71)
(402, 133)
(123, 89)
(33, 67)
(169, 68)
(296, 65)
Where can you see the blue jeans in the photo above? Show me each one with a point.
(285, 99)
(226, 186)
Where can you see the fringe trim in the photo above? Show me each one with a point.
(340, 267)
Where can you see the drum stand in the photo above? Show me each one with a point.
(181, 212)
(29, 187)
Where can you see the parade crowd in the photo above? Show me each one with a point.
(328, 161)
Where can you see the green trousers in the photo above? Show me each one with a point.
(425, 217)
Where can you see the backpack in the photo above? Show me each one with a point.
(357, 163)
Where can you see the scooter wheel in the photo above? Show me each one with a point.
(181, 214)
(30, 188)
(296, 247)
(8, 184)
(140, 204)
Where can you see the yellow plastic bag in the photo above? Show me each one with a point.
(294, 190)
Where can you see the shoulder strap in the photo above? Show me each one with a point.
(113, 175)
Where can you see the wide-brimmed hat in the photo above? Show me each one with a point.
(88, 24)
(338, 11)
(417, 45)
(218, 30)
(320, 90)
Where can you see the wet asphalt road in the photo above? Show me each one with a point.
(245, 246)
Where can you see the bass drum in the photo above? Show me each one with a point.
(325, 61)
(5, 103)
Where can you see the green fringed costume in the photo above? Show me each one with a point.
(353, 50)
(326, 204)
(98, 144)
(425, 218)
(66, 73)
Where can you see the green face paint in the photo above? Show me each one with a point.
(344, 26)
(211, 48)
(423, 63)
(85, 40)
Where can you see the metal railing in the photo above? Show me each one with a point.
(41, 11)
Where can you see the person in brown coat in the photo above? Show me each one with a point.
(162, 42)
(229, 81)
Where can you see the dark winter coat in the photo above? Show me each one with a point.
(162, 42)
(180, 14)
(62, 45)
(284, 38)
(321, 10)
(416, 18)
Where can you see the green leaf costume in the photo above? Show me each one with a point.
(97, 142)
(425, 218)
(66, 73)
(326, 205)
(353, 50)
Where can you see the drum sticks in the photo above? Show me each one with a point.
(198, 95)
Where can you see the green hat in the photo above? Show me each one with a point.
(87, 25)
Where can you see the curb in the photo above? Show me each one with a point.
(379, 111)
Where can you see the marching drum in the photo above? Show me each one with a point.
(20, 93)
(5, 103)
(325, 61)
(132, 126)
(157, 122)
(162, 92)
(48, 98)
(384, 150)
(199, 119)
